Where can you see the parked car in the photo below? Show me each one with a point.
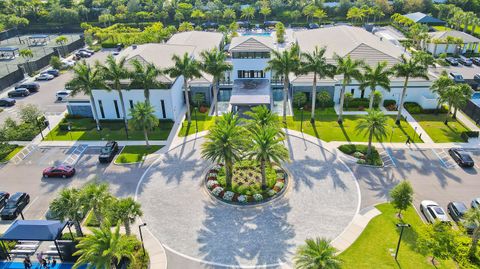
(15, 205)
(452, 61)
(476, 77)
(313, 26)
(465, 61)
(475, 203)
(89, 51)
(59, 171)
(433, 212)
(456, 210)
(476, 60)
(53, 72)
(7, 102)
(461, 157)
(3, 198)
(61, 95)
(67, 63)
(457, 77)
(107, 153)
(44, 76)
(82, 54)
(32, 86)
(20, 92)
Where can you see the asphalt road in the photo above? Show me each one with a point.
(45, 98)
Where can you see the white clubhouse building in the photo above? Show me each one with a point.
(248, 84)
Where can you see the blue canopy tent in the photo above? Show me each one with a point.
(9, 52)
(38, 40)
(34, 230)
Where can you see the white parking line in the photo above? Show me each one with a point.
(387, 159)
(76, 154)
(29, 204)
(445, 158)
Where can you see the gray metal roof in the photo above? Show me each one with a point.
(420, 17)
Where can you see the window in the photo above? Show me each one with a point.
(352, 91)
(116, 108)
(131, 104)
(251, 74)
(162, 103)
(431, 212)
(100, 104)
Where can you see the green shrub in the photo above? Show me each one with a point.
(413, 108)
(5, 149)
(63, 126)
(357, 103)
(55, 62)
(351, 149)
(389, 102)
(109, 45)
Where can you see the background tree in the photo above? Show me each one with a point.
(262, 117)
(408, 68)
(323, 98)
(188, 68)
(265, 11)
(144, 76)
(104, 247)
(440, 85)
(26, 54)
(55, 62)
(229, 14)
(248, 13)
(315, 62)
(185, 27)
(309, 11)
(374, 124)
(350, 69)
(280, 32)
(225, 143)
(472, 218)
(143, 118)
(198, 15)
(402, 196)
(62, 41)
(299, 99)
(355, 14)
(69, 205)
(437, 240)
(320, 15)
(126, 210)
(317, 253)
(464, 93)
(96, 196)
(30, 113)
(214, 62)
(85, 80)
(373, 77)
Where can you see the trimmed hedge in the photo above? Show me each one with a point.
(351, 149)
(468, 134)
(6, 149)
(415, 108)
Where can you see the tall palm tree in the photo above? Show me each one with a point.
(69, 205)
(440, 85)
(267, 147)
(448, 96)
(85, 80)
(374, 124)
(105, 248)
(214, 63)
(262, 117)
(144, 76)
(283, 63)
(408, 68)
(143, 118)
(126, 210)
(96, 196)
(189, 68)
(350, 69)
(114, 72)
(472, 218)
(317, 254)
(225, 143)
(316, 63)
(463, 94)
(374, 77)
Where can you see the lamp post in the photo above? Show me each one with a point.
(40, 127)
(301, 121)
(402, 226)
(196, 120)
(141, 236)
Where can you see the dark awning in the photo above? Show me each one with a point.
(38, 36)
(34, 230)
(8, 49)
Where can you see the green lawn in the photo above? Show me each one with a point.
(11, 154)
(134, 154)
(437, 130)
(441, 28)
(374, 246)
(327, 128)
(202, 120)
(85, 129)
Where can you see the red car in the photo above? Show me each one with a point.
(59, 171)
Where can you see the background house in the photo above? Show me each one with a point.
(419, 17)
(446, 42)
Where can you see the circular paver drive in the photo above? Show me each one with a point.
(321, 200)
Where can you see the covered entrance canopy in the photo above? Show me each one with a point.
(38, 40)
(251, 92)
(34, 230)
(8, 53)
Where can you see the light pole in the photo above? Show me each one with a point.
(301, 121)
(196, 120)
(402, 226)
(40, 128)
(141, 236)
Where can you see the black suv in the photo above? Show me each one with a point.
(20, 92)
(32, 87)
(108, 152)
(462, 158)
(15, 204)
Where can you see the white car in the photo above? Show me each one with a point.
(433, 212)
(67, 63)
(44, 76)
(61, 95)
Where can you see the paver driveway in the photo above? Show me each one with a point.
(321, 200)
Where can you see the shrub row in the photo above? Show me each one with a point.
(415, 108)
(5, 149)
(353, 150)
(468, 134)
(20, 132)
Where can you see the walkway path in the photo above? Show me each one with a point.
(417, 127)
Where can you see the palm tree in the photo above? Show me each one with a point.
(26, 54)
(85, 79)
(145, 77)
(374, 77)
(317, 254)
(105, 248)
(448, 96)
(316, 63)
(472, 218)
(96, 196)
(69, 205)
(408, 68)
(283, 63)
(214, 63)
(126, 210)
(374, 125)
(143, 118)
(114, 73)
(225, 143)
(248, 13)
(440, 85)
(262, 117)
(189, 68)
(62, 40)
(267, 147)
(350, 69)
(463, 94)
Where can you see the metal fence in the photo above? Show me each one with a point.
(8, 34)
(11, 78)
(473, 111)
